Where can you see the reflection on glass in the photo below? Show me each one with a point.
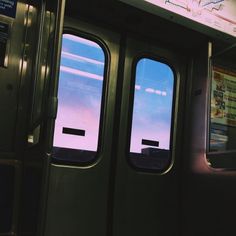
(79, 95)
(152, 111)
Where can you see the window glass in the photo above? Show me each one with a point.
(223, 109)
(152, 115)
(79, 96)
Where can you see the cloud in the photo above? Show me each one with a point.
(149, 90)
(80, 73)
(80, 40)
(156, 132)
(78, 58)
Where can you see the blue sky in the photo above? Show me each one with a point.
(80, 93)
(152, 104)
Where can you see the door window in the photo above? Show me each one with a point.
(150, 141)
(80, 95)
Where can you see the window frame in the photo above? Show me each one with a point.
(135, 60)
(107, 59)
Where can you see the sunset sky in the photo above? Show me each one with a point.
(80, 92)
(152, 104)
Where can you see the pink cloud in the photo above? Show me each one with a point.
(162, 135)
(78, 118)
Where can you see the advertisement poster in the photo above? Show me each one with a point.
(217, 14)
(223, 97)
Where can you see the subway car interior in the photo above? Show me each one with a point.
(77, 158)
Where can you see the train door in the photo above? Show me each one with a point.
(147, 179)
(79, 181)
(117, 136)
